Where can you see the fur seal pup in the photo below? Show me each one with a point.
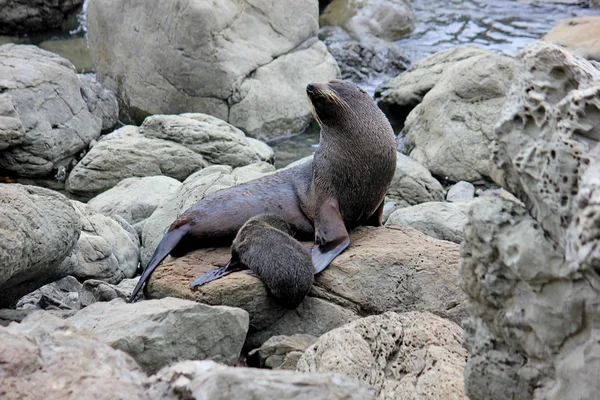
(342, 187)
(264, 244)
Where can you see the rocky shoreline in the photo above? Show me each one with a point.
(481, 284)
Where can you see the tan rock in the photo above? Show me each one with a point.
(580, 35)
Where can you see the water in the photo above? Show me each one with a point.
(504, 26)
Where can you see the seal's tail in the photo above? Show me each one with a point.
(166, 245)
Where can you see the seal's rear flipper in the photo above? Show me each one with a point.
(232, 266)
(166, 245)
(322, 256)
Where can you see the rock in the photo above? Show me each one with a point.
(158, 333)
(440, 220)
(388, 209)
(370, 20)
(48, 113)
(38, 231)
(94, 290)
(283, 352)
(403, 356)
(398, 96)
(579, 35)
(194, 188)
(413, 184)
(109, 249)
(529, 263)
(364, 62)
(21, 16)
(135, 199)
(8, 315)
(243, 62)
(208, 380)
(461, 191)
(63, 363)
(132, 155)
(212, 138)
(62, 295)
(407, 269)
(451, 130)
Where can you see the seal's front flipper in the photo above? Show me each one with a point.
(232, 266)
(322, 256)
(331, 236)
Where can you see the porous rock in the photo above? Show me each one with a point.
(580, 35)
(241, 61)
(529, 263)
(194, 188)
(21, 16)
(403, 356)
(63, 363)
(283, 352)
(158, 333)
(413, 184)
(39, 230)
(451, 130)
(440, 220)
(108, 248)
(371, 20)
(49, 113)
(135, 199)
(407, 269)
(208, 380)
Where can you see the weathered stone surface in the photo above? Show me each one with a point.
(451, 130)
(529, 265)
(216, 140)
(63, 363)
(194, 188)
(108, 249)
(94, 290)
(8, 315)
(369, 20)
(461, 191)
(62, 295)
(407, 269)
(135, 199)
(158, 333)
(241, 61)
(413, 184)
(125, 154)
(440, 220)
(38, 230)
(283, 352)
(49, 114)
(403, 356)
(580, 35)
(208, 380)
(20, 16)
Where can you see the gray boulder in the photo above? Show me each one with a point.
(21, 16)
(371, 20)
(94, 290)
(158, 333)
(135, 199)
(403, 356)
(283, 352)
(39, 230)
(63, 363)
(209, 380)
(530, 263)
(60, 295)
(451, 130)
(461, 191)
(243, 62)
(413, 184)
(194, 188)
(440, 220)
(108, 249)
(48, 114)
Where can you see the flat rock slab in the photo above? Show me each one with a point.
(158, 333)
(391, 268)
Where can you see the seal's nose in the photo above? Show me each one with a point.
(310, 88)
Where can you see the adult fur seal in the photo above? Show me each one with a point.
(342, 187)
(264, 244)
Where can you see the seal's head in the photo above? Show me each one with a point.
(336, 101)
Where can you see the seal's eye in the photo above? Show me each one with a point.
(362, 90)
